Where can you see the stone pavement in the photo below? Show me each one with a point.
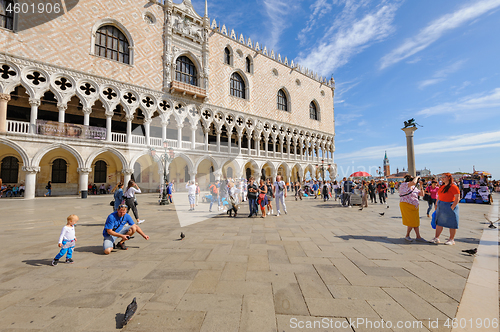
(319, 264)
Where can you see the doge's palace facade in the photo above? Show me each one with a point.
(89, 95)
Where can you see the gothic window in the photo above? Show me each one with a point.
(248, 63)
(237, 86)
(10, 170)
(227, 56)
(100, 172)
(7, 14)
(59, 170)
(111, 43)
(185, 71)
(313, 111)
(282, 101)
(186, 174)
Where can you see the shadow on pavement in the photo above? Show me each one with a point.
(334, 205)
(383, 239)
(38, 262)
(93, 249)
(90, 225)
(119, 319)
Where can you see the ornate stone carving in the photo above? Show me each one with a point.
(84, 170)
(127, 171)
(34, 102)
(4, 97)
(31, 169)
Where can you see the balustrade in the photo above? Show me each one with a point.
(18, 127)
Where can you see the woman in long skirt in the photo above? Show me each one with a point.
(447, 209)
(408, 203)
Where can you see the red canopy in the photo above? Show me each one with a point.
(359, 174)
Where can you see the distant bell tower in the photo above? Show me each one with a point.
(387, 167)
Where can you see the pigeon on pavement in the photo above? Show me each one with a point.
(471, 251)
(131, 309)
(182, 236)
(381, 214)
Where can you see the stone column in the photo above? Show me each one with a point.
(218, 132)
(163, 131)
(266, 142)
(192, 176)
(35, 103)
(249, 138)
(30, 181)
(410, 149)
(288, 144)
(257, 145)
(147, 129)
(86, 115)
(217, 174)
(62, 109)
(126, 176)
(193, 137)
(179, 136)
(281, 146)
(206, 139)
(83, 182)
(4, 99)
(129, 132)
(274, 146)
(229, 134)
(109, 118)
(239, 143)
(295, 149)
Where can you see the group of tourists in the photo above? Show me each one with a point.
(11, 190)
(444, 197)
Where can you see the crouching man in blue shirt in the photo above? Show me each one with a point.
(119, 225)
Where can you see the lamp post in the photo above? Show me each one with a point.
(166, 158)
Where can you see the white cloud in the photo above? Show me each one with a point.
(319, 9)
(441, 75)
(469, 103)
(436, 29)
(349, 36)
(277, 11)
(343, 119)
(464, 142)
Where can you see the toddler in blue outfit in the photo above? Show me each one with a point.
(67, 240)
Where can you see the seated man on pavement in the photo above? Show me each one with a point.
(119, 224)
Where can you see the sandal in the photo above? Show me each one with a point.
(122, 246)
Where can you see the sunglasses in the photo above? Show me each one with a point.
(123, 206)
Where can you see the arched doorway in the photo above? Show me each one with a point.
(10, 170)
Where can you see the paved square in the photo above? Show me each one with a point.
(320, 264)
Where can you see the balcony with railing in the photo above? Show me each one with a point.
(189, 89)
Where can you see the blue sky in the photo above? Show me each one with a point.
(435, 61)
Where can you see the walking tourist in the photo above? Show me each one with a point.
(67, 240)
(233, 200)
(364, 194)
(130, 199)
(447, 212)
(298, 190)
(118, 195)
(252, 196)
(49, 189)
(214, 193)
(191, 187)
(119, 224)
(279, 194)
(262, 200)
(408, 203)
(432, 191)
(381, 189)
(198, 192)
(270, 196)
(372, 188)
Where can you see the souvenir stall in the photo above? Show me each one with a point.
(474, 189)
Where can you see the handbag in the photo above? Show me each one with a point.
(427, 197)
(112, 203)
(433, 220)
(135, 201)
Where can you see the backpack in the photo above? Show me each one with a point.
(213, 189)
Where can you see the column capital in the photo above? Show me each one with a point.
(147, 121)
(409, 131)
(127, 117)
(34, 102)
(127, 171)
(62, 106)
(83, 170)
(31, 169)
(4, 97)
(87, 110)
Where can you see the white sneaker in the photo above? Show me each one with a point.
(435, 240)
(140, 221)
(450, 242)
